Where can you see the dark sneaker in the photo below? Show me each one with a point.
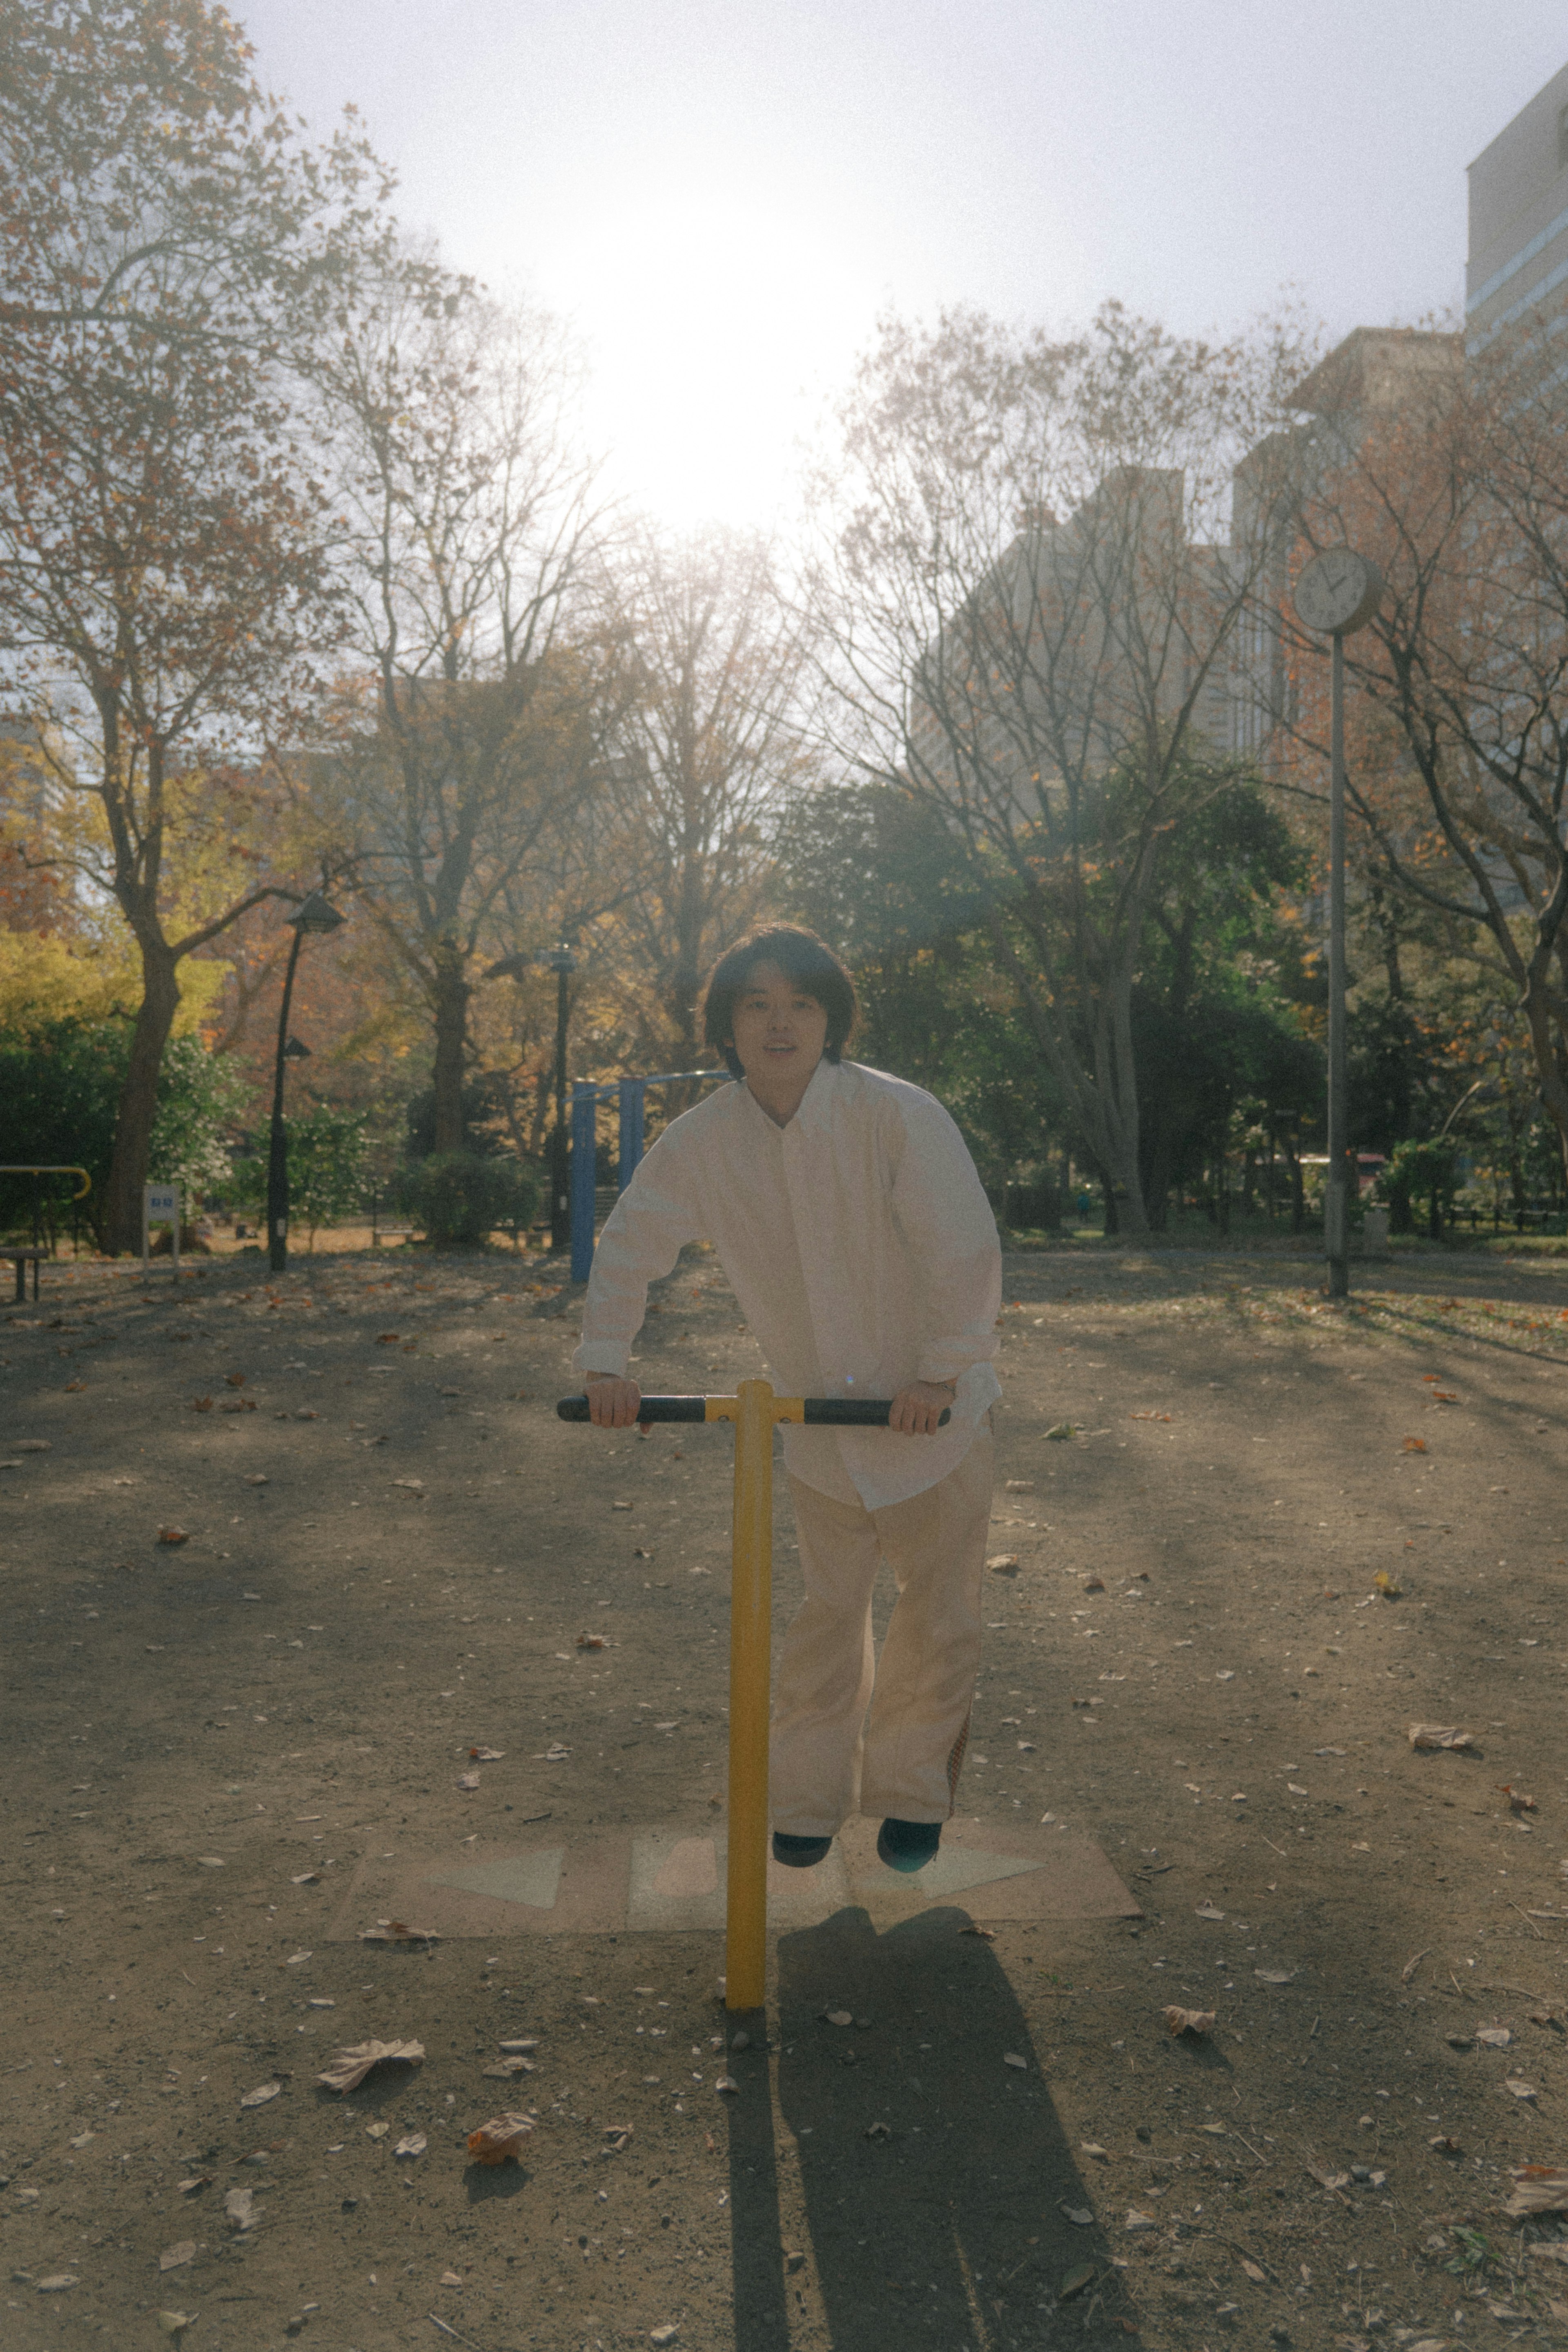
(798, 1853)
(908, 1845)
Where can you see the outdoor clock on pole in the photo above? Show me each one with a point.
(1338, 592)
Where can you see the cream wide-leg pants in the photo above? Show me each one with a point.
(827, 1760)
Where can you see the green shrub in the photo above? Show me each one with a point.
(458, 1198)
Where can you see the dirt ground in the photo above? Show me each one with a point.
(1228, 1717)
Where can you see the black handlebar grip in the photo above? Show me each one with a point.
(855, 1412)
(653, 1408)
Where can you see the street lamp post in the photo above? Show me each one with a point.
(1337, 594)
(563, 963)
(315, 915)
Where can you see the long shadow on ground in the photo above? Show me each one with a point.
(935, 2175)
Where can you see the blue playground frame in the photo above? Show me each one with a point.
(586, 1098)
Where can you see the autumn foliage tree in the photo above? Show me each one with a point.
(166, 247)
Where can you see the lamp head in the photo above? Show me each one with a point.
(314, 914)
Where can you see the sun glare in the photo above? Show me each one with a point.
(716, 320)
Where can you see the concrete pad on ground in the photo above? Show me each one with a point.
(673, 1881)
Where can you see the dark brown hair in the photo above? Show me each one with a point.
(801, 957)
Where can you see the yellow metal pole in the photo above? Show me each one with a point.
(750, 1619)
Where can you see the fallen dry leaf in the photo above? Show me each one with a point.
(505, 2068)
(1517, 1802)
(239, 2207)
(1080, 2216)
(1094, 1584)
(410, 2143)
(989, 1934)
(351, 2066)
(197, 2181)
(554, 1754)
(1274, 1976)
(1189, 2021)
(1208, 1911)
(397, 1931)
(879, 2131)
(235, 1379)
(1020, 1485)
(57, 2282)
(527, 2041)
(469, 1780)
(201, 1404)
(838, 2017)
(1061, 1429)
(1538, 2188)
(1494, 2037)
(261, 2094)
(1258, 2277)
(590, 1641)
(75, 1388)
(175, 2323)
(486, 1755)
(173, 1535)
(257, 1478)
(1011, 2058)
(501, 2138)
(1437, 1734)
(1384, 1584)
(1521, 2089)
(174, 2257)
(1004, 1563)
(1414, 1445)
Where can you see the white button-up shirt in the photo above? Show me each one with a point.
(861, 1248)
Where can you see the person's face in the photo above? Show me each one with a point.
(778, 1030)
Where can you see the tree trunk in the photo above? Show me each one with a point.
(139, 1100)
(452, 993)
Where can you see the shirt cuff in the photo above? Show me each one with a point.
(603, 1355)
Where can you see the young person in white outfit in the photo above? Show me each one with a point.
(847, 1213)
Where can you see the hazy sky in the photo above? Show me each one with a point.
(723, 197)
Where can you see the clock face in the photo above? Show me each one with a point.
(1339, 590)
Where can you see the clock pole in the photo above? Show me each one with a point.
(1336, 1220)
(1338, 591)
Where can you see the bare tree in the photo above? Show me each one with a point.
(1031, 577)
(1453, 475)
(710, 746)
(470, 734)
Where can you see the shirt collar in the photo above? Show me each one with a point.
(815, 1106)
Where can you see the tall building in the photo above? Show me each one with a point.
(1517, 260)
